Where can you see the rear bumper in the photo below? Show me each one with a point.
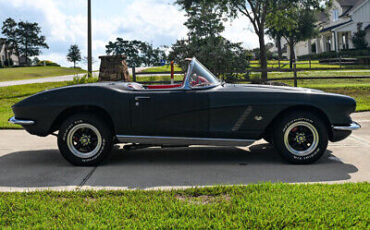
(15, 121)
(342, 132)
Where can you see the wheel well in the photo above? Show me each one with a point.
(81, 109)
(306, 108)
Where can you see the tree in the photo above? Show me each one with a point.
(36, 61)
(74, 55)
(295, 23)
(359, 38)
(137, 52)
(29, 40)
(9, 30)
(206, 43)
(277, 36)
(257, 12)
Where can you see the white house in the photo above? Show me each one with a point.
(5, 54)
(337, 28)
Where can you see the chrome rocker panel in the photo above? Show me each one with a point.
(351, 127)
(158, 140)
(15, 121)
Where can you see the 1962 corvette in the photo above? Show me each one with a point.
(91, 118)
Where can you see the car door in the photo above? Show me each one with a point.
(176, 112)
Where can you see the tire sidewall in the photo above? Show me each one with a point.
(317, 123)
(105, 133)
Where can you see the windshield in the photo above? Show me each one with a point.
(199, 76)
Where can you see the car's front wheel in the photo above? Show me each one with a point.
(85, 140)
(301, 137)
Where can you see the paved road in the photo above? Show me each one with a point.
(53, 79)
(33, 163)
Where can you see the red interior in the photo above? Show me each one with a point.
(163, 86)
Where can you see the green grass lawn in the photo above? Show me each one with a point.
(302, 64)
(261, 206)
(165, 68)
(327, 73)
(21, 73)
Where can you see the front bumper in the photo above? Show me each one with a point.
(15, 121)
(342, 132)
(353, 126)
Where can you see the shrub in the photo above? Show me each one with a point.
(359, 39)
(8, 62)
(47, 63)
(353, 53)
(84, 79)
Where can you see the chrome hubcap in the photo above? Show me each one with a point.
(301, 138)
(84, 140)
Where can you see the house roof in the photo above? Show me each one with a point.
(350, 5)
(333, 27)
(348, 2)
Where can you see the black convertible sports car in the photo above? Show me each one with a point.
(91, 118)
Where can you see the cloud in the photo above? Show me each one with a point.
(156, 21)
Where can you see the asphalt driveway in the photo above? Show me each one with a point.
(33, 163)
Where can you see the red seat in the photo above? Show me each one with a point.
(163, 86)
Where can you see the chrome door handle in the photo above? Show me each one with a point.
(141, 98)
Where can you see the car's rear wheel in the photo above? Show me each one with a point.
(301, 137)
(85, 140)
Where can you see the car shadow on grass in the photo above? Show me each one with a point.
(155, 167)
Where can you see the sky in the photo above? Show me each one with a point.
(64, 22)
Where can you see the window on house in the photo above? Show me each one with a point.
(335, 15)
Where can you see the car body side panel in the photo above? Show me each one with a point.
(228, 111)
(245, 112)
(170, 113)
(44, 108)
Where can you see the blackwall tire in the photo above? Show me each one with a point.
(85, 140)
(301, 137)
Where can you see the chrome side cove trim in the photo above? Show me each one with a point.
(183, 140)
(15, 121)
(351, 127)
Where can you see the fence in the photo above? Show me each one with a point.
(295, 77)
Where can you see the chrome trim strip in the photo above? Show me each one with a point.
(15, 121)
(141, 98)
(162, 140)
(351, 127)
(242, 118)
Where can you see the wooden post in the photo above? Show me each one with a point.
(340, 62)
(295, 73)
(172, 73)
(133, 74)
(310, 61)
